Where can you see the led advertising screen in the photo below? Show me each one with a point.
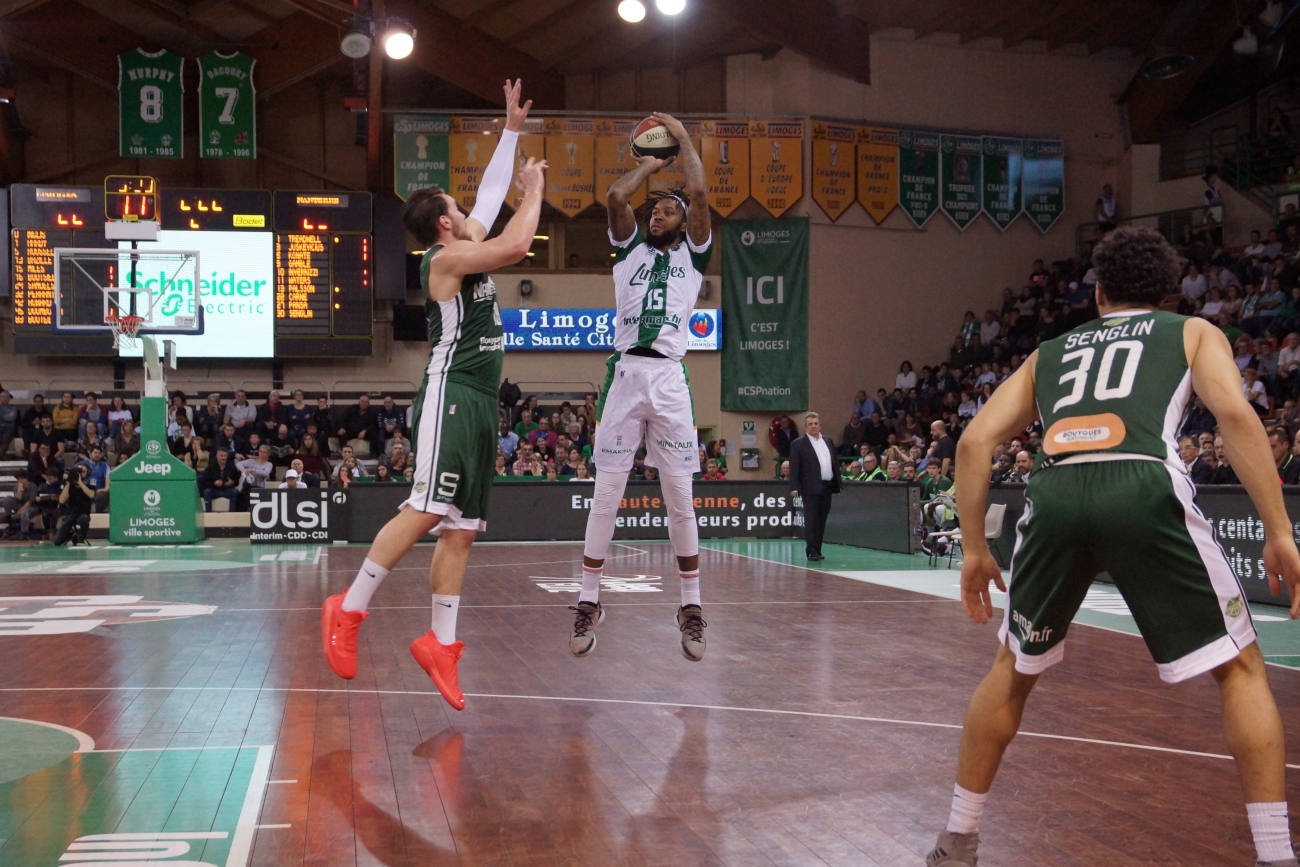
(550, 328)
(237, 288)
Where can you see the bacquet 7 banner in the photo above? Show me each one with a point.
(1002, 192)
(918, 166)
(1044, 179)
(961, 178)
(765, 303)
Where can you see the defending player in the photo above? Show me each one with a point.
(454, 431)
(1112, 494)
(657, 277)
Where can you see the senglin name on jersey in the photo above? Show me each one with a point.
(1118, 330)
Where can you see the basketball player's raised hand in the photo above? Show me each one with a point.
(977, 570)
(1282, 563)
(515, 113)
(532, 176)
(655, 163)
(674, 126)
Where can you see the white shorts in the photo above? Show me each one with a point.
(650, 398)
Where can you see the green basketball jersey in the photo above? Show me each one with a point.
(1120, 383)
(465, 333)
(152, 117)
(227, 121)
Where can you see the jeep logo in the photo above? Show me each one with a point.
(150, 469)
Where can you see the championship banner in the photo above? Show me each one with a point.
(1002, 198)
(724, 148)
(673, 177)
(227, 120)
(421, 153)
(776, 164)
(151, 117)
(765, 305)
(1044, 181)
(918, 188)
(877, 171)
(961, 178)
(532, 143)
(833, 164)
(571, 157)
(470, 147)
(614, 158)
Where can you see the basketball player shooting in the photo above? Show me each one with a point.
(455, 424)
(657, 276)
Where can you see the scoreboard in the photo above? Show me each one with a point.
(317, 258)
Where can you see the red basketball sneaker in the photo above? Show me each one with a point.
(439, 662)
(338, 632)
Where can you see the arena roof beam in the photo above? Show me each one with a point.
(301, 47)
(1034, 25)
(989, 24)
(163, 12)
(813, 28)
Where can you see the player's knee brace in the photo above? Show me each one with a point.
(682, 529)
(604, 512)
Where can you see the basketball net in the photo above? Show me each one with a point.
(124, 328)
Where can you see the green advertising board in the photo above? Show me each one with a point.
(421, 153)
(227, 119)
(151, 119)
(1002, 175)
(918, 169)
(765, 304)
(961, 178)
(153, 496)
(1044, 181)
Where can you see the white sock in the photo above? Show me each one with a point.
(966, 810)
(591, 583)
(444, 618)
(690, 588)
(368, 579)
(1268, 825)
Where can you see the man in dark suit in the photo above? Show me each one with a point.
(1197, 467)
(815, 476)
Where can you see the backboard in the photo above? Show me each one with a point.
(160, 286)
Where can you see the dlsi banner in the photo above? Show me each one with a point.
(961, 178)
(833, 165)
(421, 153)
(1002, 177)
(877, 171)
(1044, 180)
(571, 158)
(918, 162)
(614, 157)
(765, 305)
(776, 163)
(724, 149)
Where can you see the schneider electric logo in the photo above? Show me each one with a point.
(152, 498)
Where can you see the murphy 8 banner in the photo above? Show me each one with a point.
(765, 304)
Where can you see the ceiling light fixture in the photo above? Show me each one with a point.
(399, 39)
(356, 42)
(631, 11)
(1272, 14)
(670, 7)
(1247, 44)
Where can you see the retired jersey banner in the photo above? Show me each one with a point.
(765, 305)
(614, 157)
(421, 153)
(833, 164)
(1002, 170)
(1044, 180)
(724, 149)
(776, 163)
(470, 147)
(918, 186)
(877, 171)
(532, 143)
(150, 101)
(227, 121)
(961, 193)
(673, 177)
(571, 157)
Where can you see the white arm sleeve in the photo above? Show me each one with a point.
(496, 181)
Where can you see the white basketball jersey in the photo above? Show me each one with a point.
(655, 292)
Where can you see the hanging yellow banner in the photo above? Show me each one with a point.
(571, 157)
(672, 177)
(724, 148)
(532, 143)
(472, 141)
(833, 167)
(877, 171)
(776, 163)
(614, 157)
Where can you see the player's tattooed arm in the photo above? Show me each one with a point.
(697, 191)
(622, 220)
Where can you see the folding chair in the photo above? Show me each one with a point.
(993, 520)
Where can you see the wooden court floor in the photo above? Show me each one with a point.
(822, 727)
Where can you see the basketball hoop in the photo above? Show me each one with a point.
(127, 326)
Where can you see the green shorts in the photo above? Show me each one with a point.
(1137, 520)
(454, 434)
